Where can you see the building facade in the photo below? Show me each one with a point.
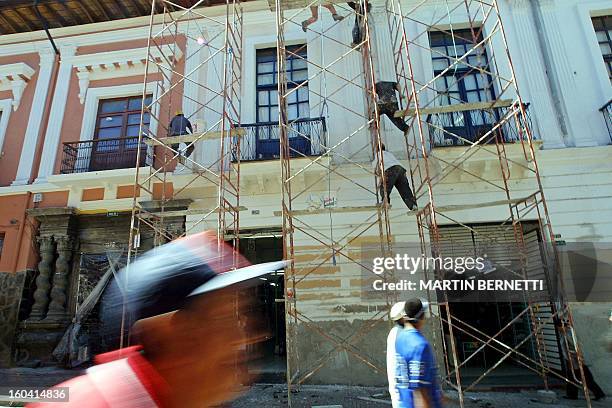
(69, 124)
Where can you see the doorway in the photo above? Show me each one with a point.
(503, 317)
(268, 358)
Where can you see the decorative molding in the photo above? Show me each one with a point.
(95, 94)
(5, 112)
(83, 84)
(121, 63)
(15, 77)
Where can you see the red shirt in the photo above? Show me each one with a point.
(122, 378)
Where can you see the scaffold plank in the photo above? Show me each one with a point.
(169, 140)
(445, 208)
(330, 209)
(459, 207)
(501, 103)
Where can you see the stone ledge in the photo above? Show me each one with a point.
(51, 211)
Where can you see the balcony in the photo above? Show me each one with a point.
(307, 137)
(106, 154)
(462, 127)
(606, 111)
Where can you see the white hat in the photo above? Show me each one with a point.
(397, 311)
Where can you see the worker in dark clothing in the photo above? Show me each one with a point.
(359, 27)
(572, 366)
(387, 103)
(180, 126)
(395, 175)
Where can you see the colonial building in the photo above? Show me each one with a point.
(70, 114)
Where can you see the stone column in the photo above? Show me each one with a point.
(57, 307)
(531, 69)
(566, 77)
(41, 295)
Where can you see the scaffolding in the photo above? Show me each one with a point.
(322, 236)
(324, 239)
(474, 82)
(193, 67)
(472, 103)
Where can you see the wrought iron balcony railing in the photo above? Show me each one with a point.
(465, 127)
(261, 142)
(606, 111)
(105, 154)
(307, 137)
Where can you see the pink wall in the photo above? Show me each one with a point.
(73, 117)
(13, 141)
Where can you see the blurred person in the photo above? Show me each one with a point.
(181, 126)
(189, 330)
(416, 373)
(572, 366)
(395, 176)
(397, 314)
(314, 11)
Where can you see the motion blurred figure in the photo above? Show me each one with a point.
(188, 331)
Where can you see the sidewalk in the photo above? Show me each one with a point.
(275, 395)
(309, 396)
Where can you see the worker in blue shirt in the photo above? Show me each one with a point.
(416, 376)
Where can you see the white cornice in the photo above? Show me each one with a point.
(121, 63)
(15, 77)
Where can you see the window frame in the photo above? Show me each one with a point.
(606, 22)
(125, 116)
(268, 55)
(117, 152)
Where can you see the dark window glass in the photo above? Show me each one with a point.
(116, 117)
(267, 94)
(603, 30)
(464, 81)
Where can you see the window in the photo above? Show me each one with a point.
(120, 118)
(267, 94)
(1, 243)
(603, 30)
(463, 83)
(116, 132)
(298, 110)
